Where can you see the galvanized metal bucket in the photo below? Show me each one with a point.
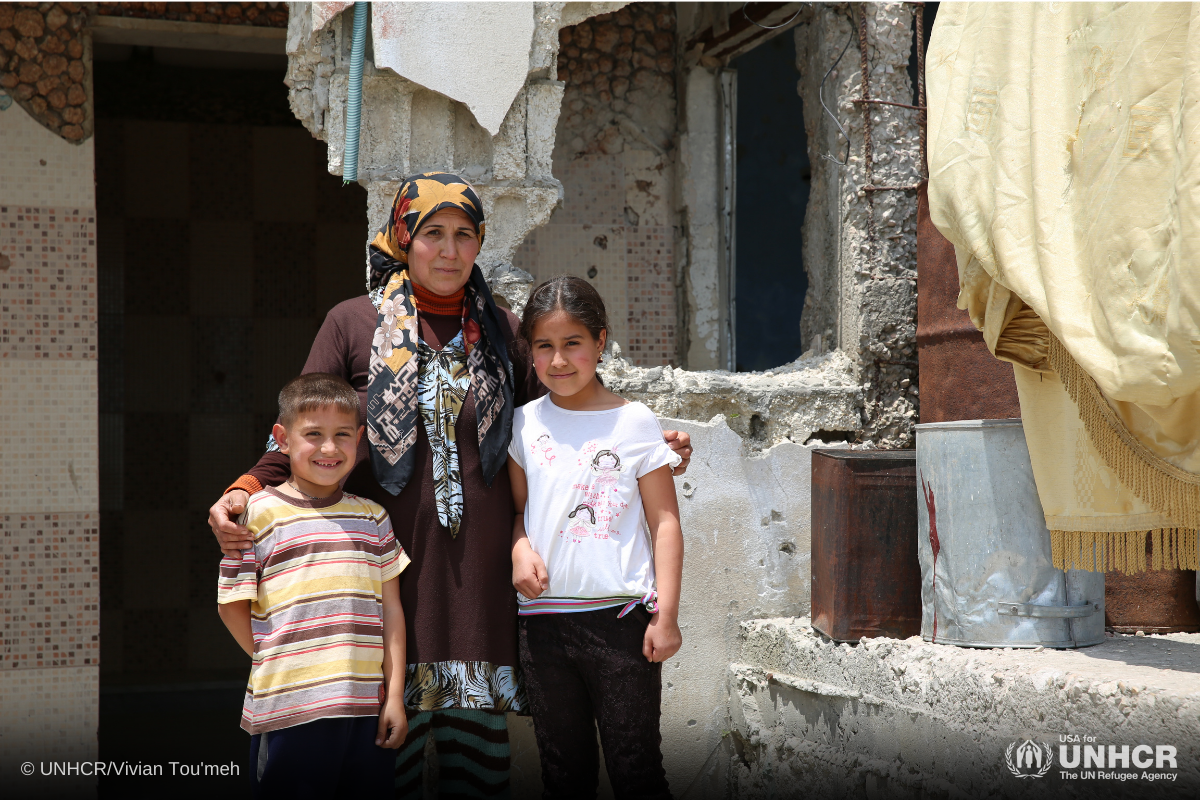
(986, 575)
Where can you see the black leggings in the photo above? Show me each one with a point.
(587, 668)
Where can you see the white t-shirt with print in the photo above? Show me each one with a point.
(584, 511)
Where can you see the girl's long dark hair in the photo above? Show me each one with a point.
(578, 298)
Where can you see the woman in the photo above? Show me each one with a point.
(439, 369)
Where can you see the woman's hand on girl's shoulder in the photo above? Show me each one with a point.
(681, 443)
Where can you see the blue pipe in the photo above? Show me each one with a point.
(354, 93)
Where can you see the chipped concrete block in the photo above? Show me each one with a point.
(791, 403)
(385, 136)
(432, 125)
(543, 104)
(509, 146)
(813, 718)
(472, 147)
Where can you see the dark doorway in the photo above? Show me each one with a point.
(773, 182)
(222, 242)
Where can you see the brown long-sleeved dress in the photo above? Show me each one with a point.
(459, 603)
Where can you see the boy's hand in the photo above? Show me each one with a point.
(663, 638)
(393, 725)
(529, 572)
(222, 518)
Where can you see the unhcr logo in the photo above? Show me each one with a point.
(1029, 760)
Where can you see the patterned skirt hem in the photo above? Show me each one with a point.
(480, 685)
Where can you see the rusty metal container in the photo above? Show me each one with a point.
(866, 580)
(960, 378)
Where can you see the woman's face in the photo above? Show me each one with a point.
(443, 251)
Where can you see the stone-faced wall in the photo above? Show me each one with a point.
(45, 64)
(614, 153)
(273, 15)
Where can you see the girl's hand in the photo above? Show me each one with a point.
(393, 725)
(663, 638)
(529, 571)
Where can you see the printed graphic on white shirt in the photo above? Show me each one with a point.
(584, 513)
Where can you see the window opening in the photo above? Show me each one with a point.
(771, 184)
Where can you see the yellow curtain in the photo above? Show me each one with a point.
(1064, 156)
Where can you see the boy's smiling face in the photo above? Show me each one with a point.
(321, 444)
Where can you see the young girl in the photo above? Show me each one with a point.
(598, 593)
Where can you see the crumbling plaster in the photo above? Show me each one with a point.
(408, 128)
(861, 298)
(788, 404)
(903, 718)
(745, 518)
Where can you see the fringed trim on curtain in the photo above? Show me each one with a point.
(1172, 548)
(1163, 486)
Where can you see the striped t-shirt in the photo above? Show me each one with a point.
(315, 581)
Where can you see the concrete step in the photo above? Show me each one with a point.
(905, 718)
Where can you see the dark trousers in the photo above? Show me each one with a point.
(326, 758)
(587, 669)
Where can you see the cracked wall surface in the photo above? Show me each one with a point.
(859, 247)
(407, 128)
(903, 718)
(621, 189)
(745, 519)
(873, 314)
(613, 153)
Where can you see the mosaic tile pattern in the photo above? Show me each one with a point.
(41, 170)
(49, 714)
(651, 295)
(597, 228)
(48, 435)
(555, 249)
(48, 294)
(593, 191)
(49, 590)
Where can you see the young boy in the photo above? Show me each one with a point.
(316, 605)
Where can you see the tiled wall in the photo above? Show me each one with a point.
(221, 247)
(49, 501)
(616, 223)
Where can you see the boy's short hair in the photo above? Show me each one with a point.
(316, 390)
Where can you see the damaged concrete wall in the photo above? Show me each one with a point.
(407, 128)
(872, 312)
(889, 718)
(745, 518)
(646, 238)
(859, 246)
(614, 154)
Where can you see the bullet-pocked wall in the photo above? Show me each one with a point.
(613, 152)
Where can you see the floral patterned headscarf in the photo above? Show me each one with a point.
(392, 402)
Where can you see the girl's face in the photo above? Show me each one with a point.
(564, 353)
(442, 253)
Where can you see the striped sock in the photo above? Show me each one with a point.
(410, 759)
(473, 753)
